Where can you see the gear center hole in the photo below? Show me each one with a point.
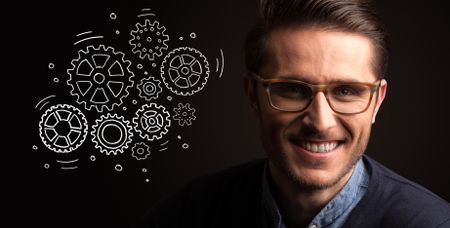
(63, 128)
(99, 78)
(185, 70)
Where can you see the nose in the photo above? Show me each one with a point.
(319, 114)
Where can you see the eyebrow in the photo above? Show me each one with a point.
(333, 81)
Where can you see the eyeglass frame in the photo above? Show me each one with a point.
(374, 87)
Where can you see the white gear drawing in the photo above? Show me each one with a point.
(184, 114)
(152, 121)
(100, 78)
(185, 71)
(111, 134)
(63, 128)
(149, 88)
(149, 39)
(140, 151)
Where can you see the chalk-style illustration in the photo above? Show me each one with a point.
(185, 71)
(81, 35)
(140, 151)
(149, 40)
(106, 86)
(146, 12)
(45, 101)
(149, 88)
(184, 114)
(111, 134)
(118, 167)
(63, 128)
(185, 146)
(163, 146)
(152, 121)
(220, 64)
(68, 165)
(100, 77)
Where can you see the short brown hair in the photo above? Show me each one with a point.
(356, 16)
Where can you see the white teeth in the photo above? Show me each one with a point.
(319, 148)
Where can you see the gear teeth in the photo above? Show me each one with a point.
(87, 101)
(158, 33)
(172, 84)
(51, 143)
(156, 120)
(112, 120)
(140, 155)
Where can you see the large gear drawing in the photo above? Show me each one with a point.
(184, 114)
(100, 77)
(185, 71)
(152, 121)
(140, 151)
(63, 128)
(149, 88)
(111, 134)
(149, 39)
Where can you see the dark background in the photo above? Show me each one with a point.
(410, 135)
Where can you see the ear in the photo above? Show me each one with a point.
(251, 93)
(380, 97)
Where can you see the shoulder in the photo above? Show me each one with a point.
(227, 193)
(394, 201)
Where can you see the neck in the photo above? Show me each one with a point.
(299, 205)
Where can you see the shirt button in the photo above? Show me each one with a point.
(313, 226)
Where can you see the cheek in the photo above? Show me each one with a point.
(358, 127)
(274, 127)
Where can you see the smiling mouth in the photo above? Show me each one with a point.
(318, 147)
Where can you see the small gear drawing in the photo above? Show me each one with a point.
(111, 134)
(149, 88)
(184, 114)
(63, 128)
(100, 77)
(140, 151)
(185, 71)
(152, 121)
(149, 39)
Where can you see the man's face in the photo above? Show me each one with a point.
(291, 139)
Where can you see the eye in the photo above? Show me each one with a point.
(348, 90)
(290, 90)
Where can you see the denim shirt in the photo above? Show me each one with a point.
(334, 214)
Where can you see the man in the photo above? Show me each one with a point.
(315, 80)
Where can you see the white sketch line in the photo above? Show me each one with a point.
(43, 101)
(46, 103)
(89, 38)
(164, 143)
(146, 9)
(146, 15)
(67, 162)
(223, 63)
(185, 71)
(163, 149)
(63, 115)
(71, 167)
(83, 33)
(217, 65)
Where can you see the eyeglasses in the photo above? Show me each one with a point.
(294, 96)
